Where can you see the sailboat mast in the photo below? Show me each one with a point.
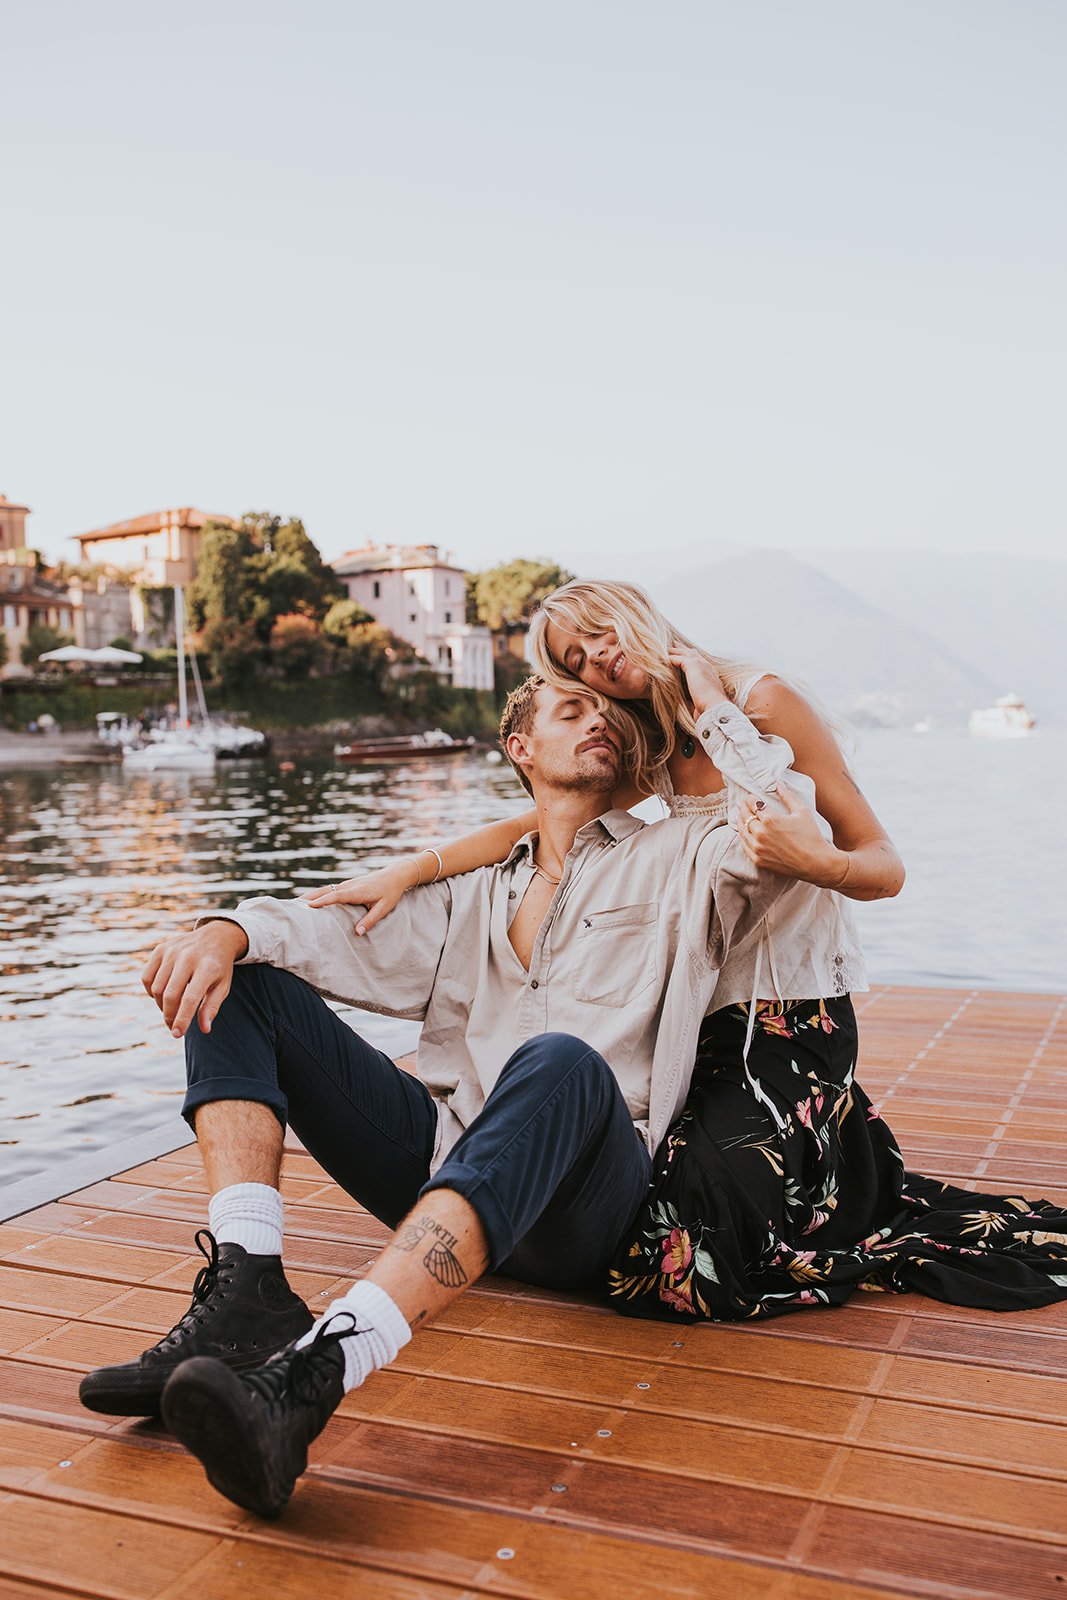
(179, 630)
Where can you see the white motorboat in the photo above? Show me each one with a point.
(177, 749)
(169, 752)
(1007, 719)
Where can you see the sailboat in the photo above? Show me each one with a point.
(173, 749)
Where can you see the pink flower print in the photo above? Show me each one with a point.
(807, 1298)
(678, 1297)
(873, 1114)
(677, 1252)
(776, 1027)
(804, 1114)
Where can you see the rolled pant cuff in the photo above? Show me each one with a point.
(200, 1094)
(478, 1192)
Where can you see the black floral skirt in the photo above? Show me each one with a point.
(780, 1186)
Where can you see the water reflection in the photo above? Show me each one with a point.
(98, 864)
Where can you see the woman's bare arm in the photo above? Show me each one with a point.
(382, 890)
(861, 862)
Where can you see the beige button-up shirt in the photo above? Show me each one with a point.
(626, 958)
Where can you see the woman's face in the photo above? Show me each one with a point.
(598, 661)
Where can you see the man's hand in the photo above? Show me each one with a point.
(190, 975)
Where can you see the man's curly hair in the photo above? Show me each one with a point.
(519, 712)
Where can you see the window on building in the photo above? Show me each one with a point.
(412, 589)
(501, 645)
(448, 586)
(376, 589)
(448, 619)
(413, 616)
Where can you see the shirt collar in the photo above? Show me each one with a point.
(617, 824)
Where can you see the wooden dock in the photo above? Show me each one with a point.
(530, 1444)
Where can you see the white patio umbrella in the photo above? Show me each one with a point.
(69, 652)
(109, 655)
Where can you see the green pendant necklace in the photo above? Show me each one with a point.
(689, 746)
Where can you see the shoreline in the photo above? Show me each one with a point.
(76, 748)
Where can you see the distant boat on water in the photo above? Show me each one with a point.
(188, 746)
(403, 747)
(1007, 719)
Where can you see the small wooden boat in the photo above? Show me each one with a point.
(403, 747)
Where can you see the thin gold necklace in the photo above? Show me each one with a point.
(547, 875)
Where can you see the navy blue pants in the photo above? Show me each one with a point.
(552, 1165)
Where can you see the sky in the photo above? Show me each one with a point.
(578, 280)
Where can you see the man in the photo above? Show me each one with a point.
(561, 994)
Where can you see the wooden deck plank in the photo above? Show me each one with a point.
(892, 1446)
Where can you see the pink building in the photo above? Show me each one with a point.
(421, 597)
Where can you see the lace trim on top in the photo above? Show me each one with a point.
(697, 805)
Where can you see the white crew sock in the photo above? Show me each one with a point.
(381, 1331)
(248, 1214)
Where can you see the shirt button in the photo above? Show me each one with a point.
(511, 894)
(724, 719)
(533, 985)
(706, 734)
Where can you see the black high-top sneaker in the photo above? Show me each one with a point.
(242, 1312)
(251, 1431)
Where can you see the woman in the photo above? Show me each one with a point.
(778, 1186)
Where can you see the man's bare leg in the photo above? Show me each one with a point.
(438, 1251)
(240, 1142)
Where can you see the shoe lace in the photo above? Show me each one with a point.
(204, 1286)
(304, 1370)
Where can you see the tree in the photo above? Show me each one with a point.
(40, 638)
(342, 617)
(3, 648)
(509, 593)
(292, 574)
(263, 569)
(224, 588)
(235, 653)
(297, 645)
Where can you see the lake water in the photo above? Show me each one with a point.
(98, 864)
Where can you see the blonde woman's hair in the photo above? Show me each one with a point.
(650, 727)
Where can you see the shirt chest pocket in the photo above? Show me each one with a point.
(617, 954)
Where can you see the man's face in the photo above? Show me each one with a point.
(570, 746)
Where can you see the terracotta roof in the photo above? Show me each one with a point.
(152, 521)
(11, 505)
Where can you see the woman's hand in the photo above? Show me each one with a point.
(705, 686)
(789, 841)
(381, 891)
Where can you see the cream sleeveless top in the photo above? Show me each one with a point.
(811, 949)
